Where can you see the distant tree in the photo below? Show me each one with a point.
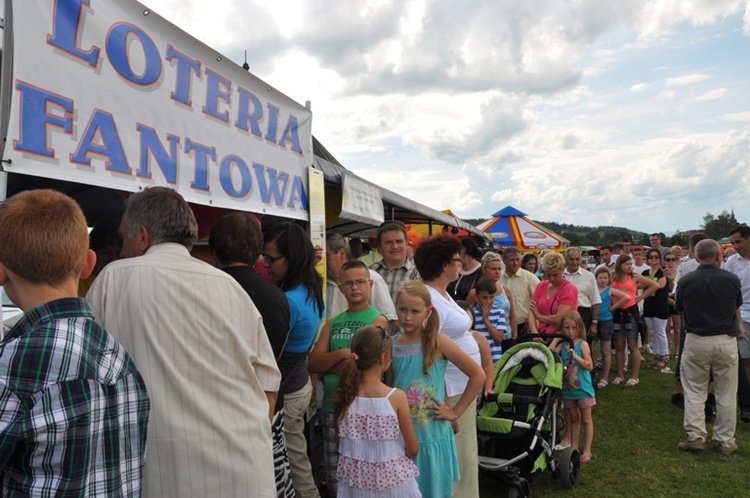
(574, 238)
(717, 227)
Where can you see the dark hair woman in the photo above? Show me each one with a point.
(470, 271)
(290, 260)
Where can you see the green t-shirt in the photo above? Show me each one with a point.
(343, 327)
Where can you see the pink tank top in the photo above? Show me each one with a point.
(629, 288)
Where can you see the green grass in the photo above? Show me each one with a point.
(636, 431)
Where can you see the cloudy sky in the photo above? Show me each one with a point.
(633, 113)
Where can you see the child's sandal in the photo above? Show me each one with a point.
(617, 381)
(586, 458)
(602, 384)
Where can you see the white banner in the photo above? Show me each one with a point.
(361, 201)
(108, 93)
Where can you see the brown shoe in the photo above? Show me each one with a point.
(726, 450)
(694, 445)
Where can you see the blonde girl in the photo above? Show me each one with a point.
(578, 390)
(420, 357)
(376, 439)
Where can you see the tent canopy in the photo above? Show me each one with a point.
(510, 227)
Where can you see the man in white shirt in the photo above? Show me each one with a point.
(588, 292)
(201, 347)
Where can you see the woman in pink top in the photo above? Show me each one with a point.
(626, 318)
(553, 298)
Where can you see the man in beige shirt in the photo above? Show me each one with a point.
(200, 345)
(522, 284)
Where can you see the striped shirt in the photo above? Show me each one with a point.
(499, 321)
(73, 408)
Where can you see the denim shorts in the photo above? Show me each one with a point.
(625, 326)
(604, 330)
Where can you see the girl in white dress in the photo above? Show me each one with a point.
(377, 442)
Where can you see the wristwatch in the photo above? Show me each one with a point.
(594, 321)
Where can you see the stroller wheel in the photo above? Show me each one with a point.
(570, 467)
(522, 491)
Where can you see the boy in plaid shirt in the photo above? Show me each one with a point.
(73, 408)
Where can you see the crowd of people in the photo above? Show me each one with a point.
(159, 374)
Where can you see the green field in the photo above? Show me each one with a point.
(636, 431)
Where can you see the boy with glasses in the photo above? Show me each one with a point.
(327, 358)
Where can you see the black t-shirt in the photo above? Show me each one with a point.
(270, 301)
(656, 305)
(460, 288)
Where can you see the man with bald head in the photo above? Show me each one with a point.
(709, 299)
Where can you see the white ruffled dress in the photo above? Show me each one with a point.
(372, 458)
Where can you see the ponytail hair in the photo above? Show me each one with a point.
(368, 343)
(430, 327)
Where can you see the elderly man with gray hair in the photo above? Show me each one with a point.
(709, 299)
(200, 345)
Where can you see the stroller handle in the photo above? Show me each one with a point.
(529, 337)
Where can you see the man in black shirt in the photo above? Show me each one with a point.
(709, 299)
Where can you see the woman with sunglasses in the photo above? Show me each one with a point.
(656, 310)
(290, 260)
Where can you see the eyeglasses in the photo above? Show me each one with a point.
(271, 259)
(354, 283)
(670, 259)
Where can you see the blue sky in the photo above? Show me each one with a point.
(633, 113)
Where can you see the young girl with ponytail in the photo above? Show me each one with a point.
(376, 437)
(420, 357)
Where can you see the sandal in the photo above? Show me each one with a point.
(658, 364)
(602, 384)
(586, 458)
(632, 382)
(617, 381)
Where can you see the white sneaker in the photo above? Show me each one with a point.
(648, 349)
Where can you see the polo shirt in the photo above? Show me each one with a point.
(708, 299)
(522, 285)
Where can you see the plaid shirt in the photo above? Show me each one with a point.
(396, 277)
(73, 408)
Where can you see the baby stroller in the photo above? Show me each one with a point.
(520, 425)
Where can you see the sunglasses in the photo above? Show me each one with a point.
(387, 336)
(653, 256)
(670, 259)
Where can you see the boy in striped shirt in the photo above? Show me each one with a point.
(490, 319)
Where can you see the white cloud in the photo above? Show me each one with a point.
(736, 116)
(714, 94)
(573, 111)
(687, 79)
(667, 94)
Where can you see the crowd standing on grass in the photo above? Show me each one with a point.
(401, 358)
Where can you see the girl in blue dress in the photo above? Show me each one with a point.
(578, 390)
(420, 356)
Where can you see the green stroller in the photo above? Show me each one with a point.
(519, 426)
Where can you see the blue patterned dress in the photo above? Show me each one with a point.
(436, 461)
